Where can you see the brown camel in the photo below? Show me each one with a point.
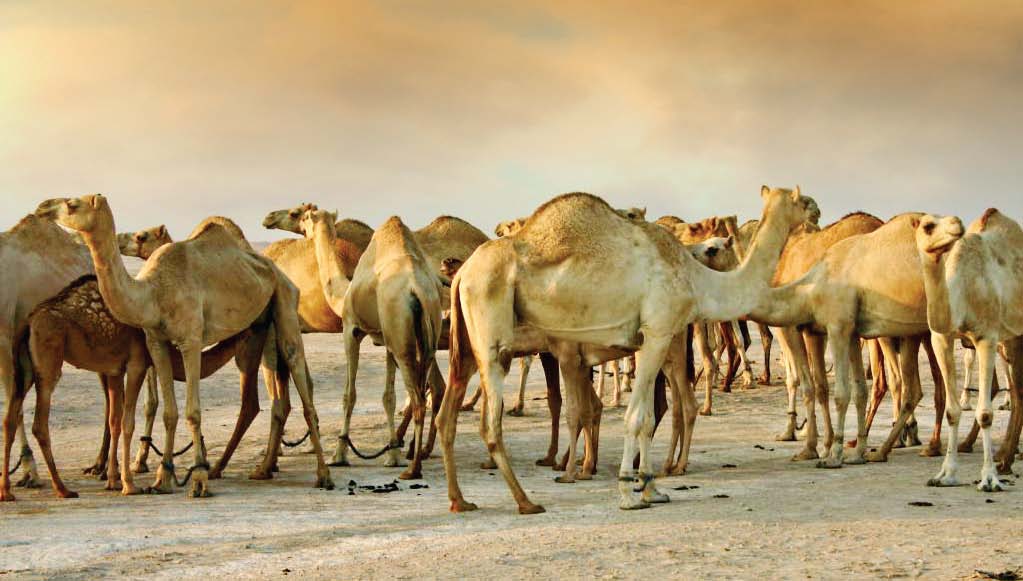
(191, 294)
(75, 326)
(972, 281)
(46, 259)
(393, 295)
(512, 297)
(865, 286)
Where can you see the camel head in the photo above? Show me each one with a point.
(314, 216)
(85, 214)
(449, 267)
(287, 220)
(669, 222)
(813, 211)
(633, 214)
(717, 253)
(935, 235)
(143, 244)
(509, 227)
(788, 206)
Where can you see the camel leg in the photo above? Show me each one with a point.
(292, 350)
(437, 389)
(152, 403)
(1014, 352)
(700, 337)
(933, 447)
(677, 374)
(860, 399)
(12, 421)
(394, 454)
(412, 375)
(842, 341)
(30, 478)
(766, 339)
(553, 380)
(353, 339)
(799, 359)
(191, 356)
(159, 351)
(248, 360)
(136, 374)
(468, 406)
(460, 371)
(616, 396)
(986, 353)
(815, 346)
(791, 386)
(592, 413)
(99, 467)
(573, 371)
(728, 343)
(41, 430)
(911, 394)
(945, 355)
(115, 393)
(969, 356)
(747, 370)
(676, 428)
(879, 386)
(639, 420)
(524, 364)
(602, 373)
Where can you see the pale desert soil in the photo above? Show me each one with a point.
(781, 519)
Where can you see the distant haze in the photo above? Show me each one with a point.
(181, 110)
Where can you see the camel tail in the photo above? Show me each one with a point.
(458, 342)
(426, 339)
(23, 372)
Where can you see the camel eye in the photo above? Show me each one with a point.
(929, 228)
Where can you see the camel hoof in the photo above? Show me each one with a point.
(199, 491)
(633, 504)
(67, 494)
(585, 476)
(462, 506)
(411, 474)
(656, 498)
(216, 474)
(490, 465)
(29, 481)
(705, 412)
(531, 509)
(1004, 467)
(130, 490)
(95, 470)
(931, 450)
(516, 412)
(467, 408)
(965, 448)
(324, 482)
(261, 474)
(991, 486)
(877, 456)
(943, 482)
(395, 462)
(564, 479)
(112, 485)
(339, 463)
(854, 460)
(157, 490)
(548, 461)
(140, 468)
(830, 463)
(806, 454)
(789, 436)
(6, 496)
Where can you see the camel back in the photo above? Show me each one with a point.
(355, 232)
(449, 237)
(226, 224)
(807, 247)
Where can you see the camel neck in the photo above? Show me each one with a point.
(332, 276)
(939, 307)
(128, 299)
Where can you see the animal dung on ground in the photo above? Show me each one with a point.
(729, 466)
(921, 503)
(721, 496)
(684, 487)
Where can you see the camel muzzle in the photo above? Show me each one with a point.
(49, 208)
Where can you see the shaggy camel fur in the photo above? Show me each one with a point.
(510, 298)
(865, 286)
(46, 260)
(192, 294)
(394, 297)
(972, 281)
(75, 326)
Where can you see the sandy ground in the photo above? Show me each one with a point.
(780, 519)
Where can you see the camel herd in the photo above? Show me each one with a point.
(683, 293)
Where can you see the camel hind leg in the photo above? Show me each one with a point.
(99, 467)
(353, 339)
(518, 409)
(248, 360)
(27, 463)
(152, 403)
(766, 340)
(552, 378)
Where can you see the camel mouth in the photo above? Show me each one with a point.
(942, 247)
(50, 208)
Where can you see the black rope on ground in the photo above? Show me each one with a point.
(152, 446)
(295, 443)
(13, 470)
(348, 442)
(188, 475)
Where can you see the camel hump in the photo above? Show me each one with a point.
(573, 224)
(355, 232)
(993, 222)
(451, 227)
(226, 225)
(392, 233)
(40, 233)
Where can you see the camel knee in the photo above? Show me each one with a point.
(170, 416)
(984, 418)
(40, 432)
(194, 418)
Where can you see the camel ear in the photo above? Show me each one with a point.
(914, 223)
(764, 190)
(796, 193)
(97, 200)
(161, 231)
(729, 241)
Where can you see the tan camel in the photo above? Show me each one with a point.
(142, 244)
(393, 296)
(542, 289)
(75, 326)
(804, 249)
(192, 294)
(972, 281)
(865, 286)
(46, 260)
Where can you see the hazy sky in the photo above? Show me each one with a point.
(486, 109)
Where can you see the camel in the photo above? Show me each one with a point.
(865, 286)
(191, 294)
(143, 243)
(972, 281)
(804, 249)
(542, 289)
(76, 326)
(46, 259)
(394, 296)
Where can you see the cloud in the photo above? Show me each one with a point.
(179, 111)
